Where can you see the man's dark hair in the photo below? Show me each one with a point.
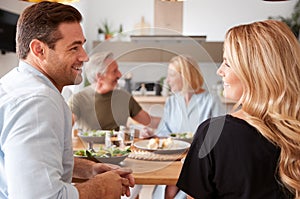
(40, 21)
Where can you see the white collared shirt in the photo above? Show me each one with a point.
(36, 158)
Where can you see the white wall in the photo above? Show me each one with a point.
(201, 17)
(7, 62)
(125, 12)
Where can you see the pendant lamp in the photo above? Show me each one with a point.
(59, 1)
(173, 0)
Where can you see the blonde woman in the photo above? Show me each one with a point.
(253, 152)
(188, 106)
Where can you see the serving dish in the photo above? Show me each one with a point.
(112, 160)
(176, 146)
(97, 137)
(112, 155)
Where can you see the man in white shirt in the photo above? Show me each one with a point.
(36, 156)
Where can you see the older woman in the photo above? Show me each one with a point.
(189, 105)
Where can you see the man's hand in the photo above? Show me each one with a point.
(123, 172)
(107, 180)
(108, 185)
(126, 174)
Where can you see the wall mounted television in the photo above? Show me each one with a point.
(8, 24)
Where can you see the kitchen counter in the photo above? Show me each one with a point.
(152, 104)
(162, 51)
(150, 99)
(155, 104)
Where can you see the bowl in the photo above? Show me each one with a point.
(97, 137)
(113, 155)
(112, 160)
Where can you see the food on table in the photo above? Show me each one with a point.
(105, 152)
(166, 143)
(184, 135)
(153, 143)
(156, 143)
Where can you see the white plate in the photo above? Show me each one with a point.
(177, 146)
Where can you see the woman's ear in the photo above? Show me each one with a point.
(37, 48)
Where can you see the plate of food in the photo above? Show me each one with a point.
(163, 145)
(95, 136)
(185, 136)
(113, 155)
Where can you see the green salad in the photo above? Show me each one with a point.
(184, 135)
(103, 152)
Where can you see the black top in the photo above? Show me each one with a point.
(230, 159)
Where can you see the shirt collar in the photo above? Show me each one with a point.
(27, 68)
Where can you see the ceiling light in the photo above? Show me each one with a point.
(59, 1)
(173, 0)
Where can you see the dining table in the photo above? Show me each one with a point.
(147, 172)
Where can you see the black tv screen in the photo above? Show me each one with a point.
(8, 23)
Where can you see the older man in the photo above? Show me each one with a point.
(100, 105)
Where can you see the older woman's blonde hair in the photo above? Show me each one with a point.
(188, 68)
(266, 57)
(97, 64)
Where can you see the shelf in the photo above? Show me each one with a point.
(150, 99)
(169, 38)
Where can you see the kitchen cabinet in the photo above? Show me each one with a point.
(172, 21)
(162, 50)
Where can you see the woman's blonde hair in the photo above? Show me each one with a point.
(188, 68)
(266, 57)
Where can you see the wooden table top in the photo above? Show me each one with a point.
(147, 172)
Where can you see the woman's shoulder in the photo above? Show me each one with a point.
(223, 131)
(174, 98)
(222, 123)
(206, 95)
(226, 120)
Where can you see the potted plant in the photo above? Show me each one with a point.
(106, 30)
(101, 35)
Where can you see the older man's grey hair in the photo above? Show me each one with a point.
(97, 65)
